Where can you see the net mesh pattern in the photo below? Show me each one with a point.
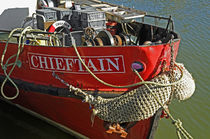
(139, 104)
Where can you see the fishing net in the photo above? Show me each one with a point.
(139, 104)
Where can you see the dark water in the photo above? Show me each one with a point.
(16, 124)
(192, 20)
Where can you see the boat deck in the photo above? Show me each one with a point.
(113, 12)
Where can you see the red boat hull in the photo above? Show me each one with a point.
(75, 114)
(111, 64)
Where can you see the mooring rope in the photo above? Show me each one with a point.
(96, 101)
(7, 64)
(88, 97)
(178, 124)
(117, 86)
(21, 43)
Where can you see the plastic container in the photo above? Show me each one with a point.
(63, 13)
(76, 14)
(92, 15)
(50, 15)
(111, 24)
(112, 27)
(75, 23)
(112, 31)
(94, 24)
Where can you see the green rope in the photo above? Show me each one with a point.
(21, 39)
(16, 56)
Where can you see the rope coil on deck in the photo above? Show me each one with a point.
(138, 104)
(21, 42)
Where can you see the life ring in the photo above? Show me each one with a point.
(45, 3)
(67, 29)
(60, 23)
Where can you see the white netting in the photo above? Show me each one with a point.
(139, 104)
(186, 87)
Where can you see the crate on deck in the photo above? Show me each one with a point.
(45, 16)
(94, 19)
(92, 15)
(100, 24)
(79, 15)
(62, 13)
(75, 20)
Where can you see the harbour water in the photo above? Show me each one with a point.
(192, 20)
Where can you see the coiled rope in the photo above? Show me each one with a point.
(88, 98)
(17, 62)
(7, 64)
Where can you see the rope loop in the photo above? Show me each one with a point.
(177, 123)
(21, 42)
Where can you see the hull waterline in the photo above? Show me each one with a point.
(75, 116)
(93, 68)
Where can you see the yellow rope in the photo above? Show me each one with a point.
(21, 44)
(4, 66)
(126, 86)
(178, 124)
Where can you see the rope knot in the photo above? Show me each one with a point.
(89, 98)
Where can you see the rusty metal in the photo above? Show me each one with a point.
(116, 128)
(125, 39)
(98, 41)
(106, 37)
(117, 40)
(90, 32)
(87, 43)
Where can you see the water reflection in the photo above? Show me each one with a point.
(192, 22)
(16, 124)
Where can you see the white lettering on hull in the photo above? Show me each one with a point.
(71, 64)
